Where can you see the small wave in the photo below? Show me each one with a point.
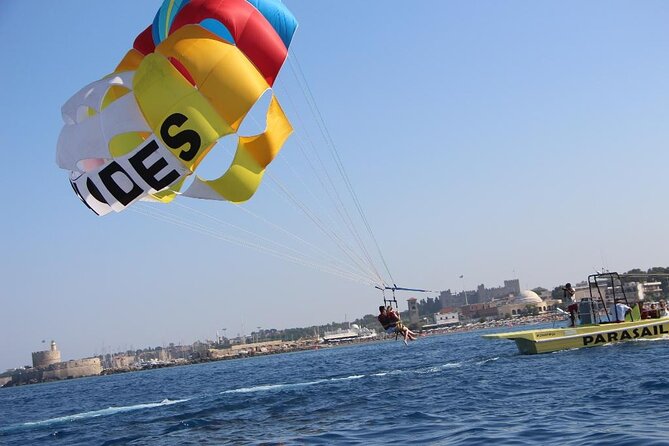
(487, 360)
(347, 378)
(283, 386)
(268, 387)
(439, 368)
(661, 338)
(96, 413)
(391, 373)
(565, 350)
(452, 365)
(428, 370)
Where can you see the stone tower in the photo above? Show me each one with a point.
(414, 317)
(46, 357)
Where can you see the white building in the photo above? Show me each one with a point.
(649, 290)
(444, 318)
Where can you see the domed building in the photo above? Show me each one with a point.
(517, 305)
(528, 297)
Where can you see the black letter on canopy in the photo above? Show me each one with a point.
(149, 173)
(188, 136)
(91, 187)
(125, 198)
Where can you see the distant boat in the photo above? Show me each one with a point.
(353, 333)
(598, 330)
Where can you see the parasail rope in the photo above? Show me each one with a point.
(343, 266)
(198, 228)
(336, 199)
(319, 224)
(299, 74)
(340, 208)
(334, 235)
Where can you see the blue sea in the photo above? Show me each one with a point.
(456, 389)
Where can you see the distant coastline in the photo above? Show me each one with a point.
(16, 377)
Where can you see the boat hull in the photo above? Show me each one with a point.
(556, 339)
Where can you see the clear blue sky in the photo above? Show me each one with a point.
(493, 140)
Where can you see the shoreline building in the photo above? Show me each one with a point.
(489, 294)
(47, 366)
(414, 315)
(446, 317)
(514, 305)
(481, 295)
(47, 357)
(519, 304)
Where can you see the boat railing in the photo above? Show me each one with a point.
(606, 289)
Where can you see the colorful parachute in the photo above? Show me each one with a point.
(191, 78)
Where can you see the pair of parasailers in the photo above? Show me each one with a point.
(390, 320)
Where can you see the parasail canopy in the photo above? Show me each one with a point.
(190, 79)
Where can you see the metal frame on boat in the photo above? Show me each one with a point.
(597, 327)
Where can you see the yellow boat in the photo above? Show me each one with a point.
(554, 339)
(602, 330)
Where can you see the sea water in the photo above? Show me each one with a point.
(456, 389)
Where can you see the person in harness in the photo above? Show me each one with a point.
(391, 323)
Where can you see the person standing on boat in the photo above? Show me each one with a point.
(569, 292)
(620, 310)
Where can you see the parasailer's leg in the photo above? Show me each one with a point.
(408, 334)
(401, 330)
